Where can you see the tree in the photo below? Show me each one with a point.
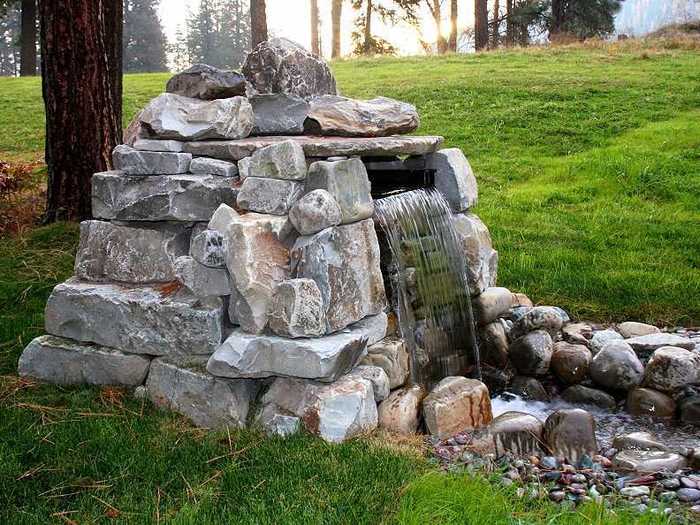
(454, 15)
(9, 34)
(314, 19)
(336, 20)
(510, 26)
(481, 21)
(144, 44)
(28, 39)
(258, 22)
(365, 43)
(495, 24)
(582, 19)
(81, 84)
(435, 8)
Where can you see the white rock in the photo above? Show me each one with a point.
(645, 344)
(201, 280)
(207, 166)
(601, 338)
(172, 146)
(297, 309)
(273, 196)
(454, 178)
(135, 162)
(222, 218)
(315, 211)
(492, 304)
(244, 168)
(348, 183)
(616, 367)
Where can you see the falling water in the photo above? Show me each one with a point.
(429, 284)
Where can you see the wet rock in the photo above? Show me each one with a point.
(601, 338)
(282, 160)
(206, 166)
(496, 379)
(344, 262)
(400, 412)
(616, 367)
(66, 362)
(315, 211)
(589, 396)
(516, 433)
(170, 116)
(279, 65)
(648, 402)
(201, 280)
(532, 353)
(577, 333)
(348, 183)
(391, 356)
(671, 368)
(454, 178)
(493, 346)
(646, 344)
(279, 114)
(570, 362)
(171, 146)
(482, 259)
(571, 433)
(690, 410)
(456, 404)
(631, 329)
(271, 196)
(207, 401)
(297, 309)
(538, 318)
(491, 304)
(376, 376)
(345, 117)
(529, 388)
(638, 441)
(648, 461)
(207, 83)
(135, 162)
(207, 248)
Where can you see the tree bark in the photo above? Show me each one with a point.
(454, 15)
(435, 7)
(495, 23)
(336, 20)
(481, 24)
(81, 84)
(510, 26)
(28, 39)
(315, 42)
(368, 29)
(557, 22)
(258, 22)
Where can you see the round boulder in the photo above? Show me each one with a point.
(207, 83)
(648, 402)
(600, 338)
(579, 394)
(400, 412)
(456, 404)
(671, 368)
(494, 344)
(516, 433)
(529, 388)
(546, 318)
(570, 362)
(616, 367)
(315, 211)
(571, 433)
(492, 303)
(633, 329)
(532, 353)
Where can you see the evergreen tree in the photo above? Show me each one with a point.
(582, 19)
(143, 44)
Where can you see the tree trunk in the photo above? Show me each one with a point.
(510, 26)
(481, 24)
(315, 43)
(495, 23)
(28, 39)
(557, 22)
(366, 48)
(454, 15)
(258, 22)
(81, 84)
(436, 10)
(336, 20)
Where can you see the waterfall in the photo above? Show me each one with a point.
(429, 285)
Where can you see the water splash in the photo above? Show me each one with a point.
(429, 284)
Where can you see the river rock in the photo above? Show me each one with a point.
(456, 404)
(315, 211)
(171, 146)
(297, 309)
(690, 410)
(637, 441)
(532, 353)
(577, 333)
(345, 117)
(648, 402)
(493, 346)
(517, 433)
(493, 303)
(376, 376)
(570, 362)
(279, 114)
(207, 401)
(66, 362)
(631, 329)
(271, 196)
(454, 178)
(344, 262)
(579, 394)
(546, 318)
(279, 65)
(282, 160)
(391, 356)
(528, 388)
(600, 338)
(207, 248)
(207, 83)
(144, 320)
(400, 412)
(648, 461)
(671, 368)
(201, 280)
(348, 183)
(170, 116)
(134, 162)
(616, 367)
(116, 196)
(482, 260)
(646, 344)
(571, 433)
(207, 166)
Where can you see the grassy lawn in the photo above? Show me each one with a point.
(589, 169)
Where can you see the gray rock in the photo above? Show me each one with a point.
(207, 248)
(400, 412)
(570, 362)
(635, 492)
(66, 362)
(325, 359)
(170, 116)
(690, 410)
(279, 65)
(454, 178)
(391, 356)
(532, 353)
(646, 344)
(315, 211)
(376, 376)
(577, 333)
(688, 495)
(131, 254)
(345, 117)
(482, 259)
(648, 461)
(616, 367)
(223, 217)
(281, 160)
(600, 338)
(638, 441)
(456, 404)
(516, 433)
(344, 262)
(348, 183)
(171, 146)
(206, 166)
(201, 280)
(143, 320)
(135, 162)
(571, 433)
(279, 114)
(271, 196)
(491, 304)
(579, 394)
(528, 388)
(281, 425)
(244, 168)
(297, 309)
(116, 196)
(648, 402)
(546, 318)
(671, 368)
(207, 83)
(493, 347)
(631, 329)
(207, 401)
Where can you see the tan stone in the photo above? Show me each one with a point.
(457, 404)
(400, 412)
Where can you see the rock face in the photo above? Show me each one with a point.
(116, 196)
(392, 357)
(279, 65)
(616, 367)
(279, 114)
(297, 309)
(348, 183)
(205, 166)
(282, 160)
(345, 117)
(648, 402)
(646, 344)
(570, 362)
(456, 404)
(532, 353)
(207, 248)
(207, 83)
(571, 433)
(201, 280)
(315, 211)
(579, 394)
(66, 362)
(671, 368)
(134, 162)
(648, 461)
(400, 412)
(208, 401)
(170, 116)
(482, 259)
(491, 304)
(344, 262)
(110, 252)
(142, 320)
(516, 433)
(325, 359)
(454, 178)
(272, 196)
(546, 318)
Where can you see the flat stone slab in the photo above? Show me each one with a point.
(67, 362)
(319, 146)
(325, 359)
(141, 320)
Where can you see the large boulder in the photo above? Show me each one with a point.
(376, 376)
(516, 433)
(346, 117)
(600, 338)
(648, 402)
(571, 434)
(135, 162)
(207, 83)
(400, 412)
(297, 309)
(493, 344)
(616, 367)
(279, 65)
(315, 211)
(454, 178)
(456, 404)
(170, 116)
(570, 362)
(344, 262)
(671, 368)
(493, 303)
(482, 260)
(532, 353)
(279, 114)
(390, 355)
(547, 318)
(281, 160)
(271, 196)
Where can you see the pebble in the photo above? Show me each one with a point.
(557, 495)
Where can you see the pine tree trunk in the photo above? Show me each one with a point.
(258, 22)
(510, 26)
(336, 18)
(315, 43)
(495, 24)
(454, 15)
(367, 47)
(28, 39)
(81, 83)
(481, 24)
